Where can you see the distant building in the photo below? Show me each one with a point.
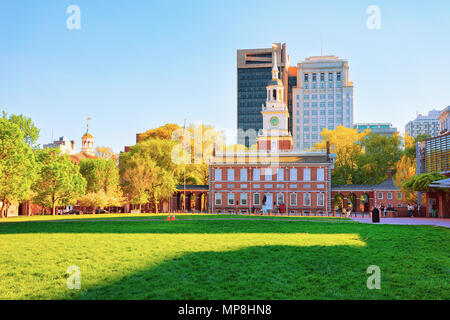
(254, 70)
(382, 128)
(87, 148)
(444, 120)
(63, 144)
(322, 99)
(428, 124)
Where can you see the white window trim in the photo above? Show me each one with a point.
(218, 196)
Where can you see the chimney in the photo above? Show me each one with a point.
(72, 144)
(389, 174)
(328, 150)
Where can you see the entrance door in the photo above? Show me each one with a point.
(269, 201)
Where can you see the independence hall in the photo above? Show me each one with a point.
(273, 176)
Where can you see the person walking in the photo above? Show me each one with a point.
(375, 214)
(409, 210)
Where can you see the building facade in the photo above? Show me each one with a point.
(254, 70)
(322, 99)
(65, 146)
(444, 120)
(273, 177)
(428, 125)
(382, 128)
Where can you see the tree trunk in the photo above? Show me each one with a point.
(93, 210)
(156, 207)
(53, 209)
(140, 207)
(1, 210)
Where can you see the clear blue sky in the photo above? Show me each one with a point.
(135, 65)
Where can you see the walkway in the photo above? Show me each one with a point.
(409, 221)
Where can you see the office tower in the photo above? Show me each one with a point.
(381, 128)
(322, 99)
(444, 120)
(428, 124)
(254, 71)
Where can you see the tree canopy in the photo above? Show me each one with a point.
(17, 164)
(59, 181)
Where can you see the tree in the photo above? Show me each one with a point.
(102, 181)
(17, 165)
(410, 146)
(148, 172)
(94, 200)
(162, 133)
(26, 125)
(422, 181)
(59, 181)
(346, 143)
(405, 169)
(380, 155)
(100, 174)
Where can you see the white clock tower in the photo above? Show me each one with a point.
(275, 136)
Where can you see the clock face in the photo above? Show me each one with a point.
(274, 121)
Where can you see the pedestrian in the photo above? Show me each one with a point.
(381, 208)
(434, 208)
(409, 210)
(375, 214)
(349, 213)
(264, 208)
(344, 211)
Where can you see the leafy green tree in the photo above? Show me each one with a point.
(94, 200)
(380, 155)
(102, 175)
(59, 181)
(422, 181)
(26, 125)
(148, 172)
(17, 165)
(346, 143)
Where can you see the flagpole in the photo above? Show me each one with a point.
(184, 188)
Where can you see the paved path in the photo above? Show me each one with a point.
(409, 221)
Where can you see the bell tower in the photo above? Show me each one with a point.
(275, 136)
(87, 141)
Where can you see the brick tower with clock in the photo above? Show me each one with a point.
(275, 136)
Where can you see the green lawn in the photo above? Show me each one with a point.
(220, 257)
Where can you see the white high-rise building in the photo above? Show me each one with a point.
(428, 124)
(322, 99)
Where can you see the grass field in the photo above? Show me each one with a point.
(220, 257)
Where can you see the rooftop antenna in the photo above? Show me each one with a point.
(321, 44)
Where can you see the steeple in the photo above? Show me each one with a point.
(275, 66)
(275, 136)
(87, 141)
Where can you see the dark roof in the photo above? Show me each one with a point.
(180, 187)
(385, 185)
(444, 183)
(353, 187)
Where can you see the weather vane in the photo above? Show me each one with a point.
(87, 123)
